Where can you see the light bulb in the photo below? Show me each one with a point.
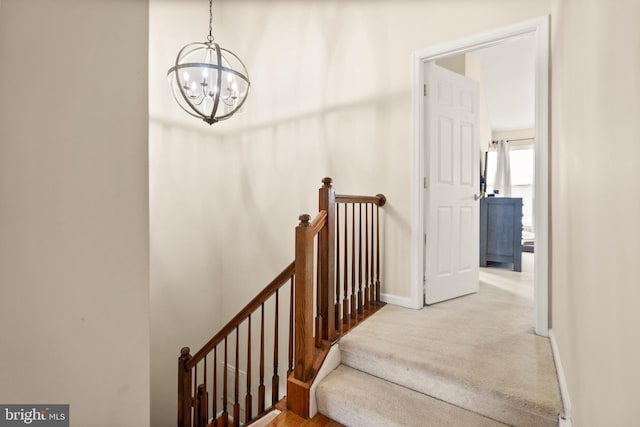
(185, 76)
(205, 73)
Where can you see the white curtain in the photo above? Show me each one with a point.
(502, 182)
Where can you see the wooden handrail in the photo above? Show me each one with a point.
(253, 305)
(378, 199)
(318, 222)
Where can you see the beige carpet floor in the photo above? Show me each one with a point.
(518, 282)
(477, 352)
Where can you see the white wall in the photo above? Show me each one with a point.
(330, 96)
(74, 275)
(596, 206)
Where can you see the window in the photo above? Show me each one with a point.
(522, 166)
(522, 159)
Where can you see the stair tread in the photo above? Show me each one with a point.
(355, 398)
(492, 365)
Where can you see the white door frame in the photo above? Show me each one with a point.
(539, 29)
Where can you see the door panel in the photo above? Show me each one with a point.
(445, 231)
(466, 234)
(445, 150)
(467, 169)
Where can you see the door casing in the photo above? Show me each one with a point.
(539, 29)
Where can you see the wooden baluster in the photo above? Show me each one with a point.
(195, 396)
(354, 307)
(319, 290)
(261, 386)
(225, 413)
(360, 259)
(275, 380)
(236, 383)
(201, 406)
(372, 288)
(214, 401)
(205, 402)
(338, 283)
(195, 405)
(184, 389)
(290, 365)
(378, 253)
(366, 256)
(345, 301)
(248, 397)
(327, 260)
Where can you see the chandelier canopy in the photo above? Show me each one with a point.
(208, 81)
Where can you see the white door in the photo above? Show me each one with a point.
(451, 183)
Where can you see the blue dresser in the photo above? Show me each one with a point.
(501, 231)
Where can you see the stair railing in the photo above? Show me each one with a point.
(334, 283)
(358, 258)
(195, 408)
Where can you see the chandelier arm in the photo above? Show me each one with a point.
(200, 99)
(184, 95)
(244, 98)
(191, 113)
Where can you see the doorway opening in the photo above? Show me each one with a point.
(537, 31)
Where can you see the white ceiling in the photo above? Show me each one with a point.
(509, 79)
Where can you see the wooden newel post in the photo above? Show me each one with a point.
(297, 385)
(184, 389)
(327, 259)
(303, 295)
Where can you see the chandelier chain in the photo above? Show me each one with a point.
(210, 36)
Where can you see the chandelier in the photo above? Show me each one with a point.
(207, 81)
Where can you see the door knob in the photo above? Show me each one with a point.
(477, 196)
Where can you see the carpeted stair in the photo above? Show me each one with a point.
(354, 398)
(472, 361)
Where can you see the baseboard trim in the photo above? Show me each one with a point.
(565, 419)
(396, 300)
(564, 422)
